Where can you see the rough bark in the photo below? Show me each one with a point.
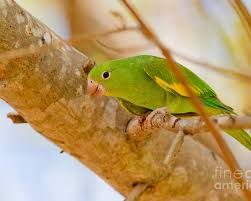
(48, 91)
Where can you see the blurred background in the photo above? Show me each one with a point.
(196, 31)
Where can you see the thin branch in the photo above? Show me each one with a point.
(244, 15)
(227, 154)
(190, 126)
(93, 36)
(119, 17)
(140, 47)
(245, 76)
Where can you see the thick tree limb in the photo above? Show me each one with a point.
(48, 90)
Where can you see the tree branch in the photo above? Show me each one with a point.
(48, 90)
(190, 126)
(93, 36)
(244, 15)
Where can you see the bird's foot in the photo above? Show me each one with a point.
(138, 128)
(149, 118)
(134, 128)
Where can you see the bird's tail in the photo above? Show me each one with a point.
(215, 107)
(242, 136)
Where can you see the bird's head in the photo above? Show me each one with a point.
(118, 78)
(104, 79)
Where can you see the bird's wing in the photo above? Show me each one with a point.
(164, 77)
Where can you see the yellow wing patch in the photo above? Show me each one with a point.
(177, 87)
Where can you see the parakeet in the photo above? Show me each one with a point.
(145, 83)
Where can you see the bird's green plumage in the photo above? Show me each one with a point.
(145, 83)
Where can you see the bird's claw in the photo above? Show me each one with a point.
(149, 119)
(137, 128)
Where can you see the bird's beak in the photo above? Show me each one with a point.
(94, 89)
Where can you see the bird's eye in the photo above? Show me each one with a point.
(106, 75)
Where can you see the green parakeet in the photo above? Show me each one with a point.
(145, 83)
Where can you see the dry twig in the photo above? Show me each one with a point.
(245, 76)
(93, 36)
(244, 15)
